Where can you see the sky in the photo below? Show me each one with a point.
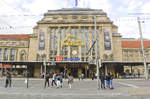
(20, 16)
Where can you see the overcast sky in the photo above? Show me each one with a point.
(20, 16)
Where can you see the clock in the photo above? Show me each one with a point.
(74, 52)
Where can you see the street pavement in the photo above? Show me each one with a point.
(86, 89)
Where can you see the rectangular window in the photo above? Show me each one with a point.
(52, 41)
(1, 54)
(12, 54)
(6, 51)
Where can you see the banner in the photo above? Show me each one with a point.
(41, 40)
(107, 40)
(5, 66)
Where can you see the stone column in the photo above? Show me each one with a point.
(59, 42)
(106, 70)
(49, 40)
(3, 54)
(79, 37)
(9, 53)
(90, 41)
(69, 48)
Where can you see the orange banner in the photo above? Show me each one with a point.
(7, 66)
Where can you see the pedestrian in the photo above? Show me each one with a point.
(102, 78)
(108, 77)
(61, 79)
(53, 79)
(70, 80)
(79, 76)
(93, 75)
(117, 75)
(47, 76)
(58, 81)
(82, 76)
(111, 81)
(65, 72)
(138, 74)
(8, 80)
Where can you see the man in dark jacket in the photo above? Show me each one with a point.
(108, 78)
(111, 81)
(47, 80)
(8, 80)
(102, 78)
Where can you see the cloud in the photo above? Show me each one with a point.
(101, 4)
(128, 27)
(146, 8)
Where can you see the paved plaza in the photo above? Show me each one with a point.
(86, 89)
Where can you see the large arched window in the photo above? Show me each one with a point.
(22, 55)
(12, 54)
(1, 54)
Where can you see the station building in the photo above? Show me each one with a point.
(71, 39)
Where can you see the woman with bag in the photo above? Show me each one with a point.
(70, 80)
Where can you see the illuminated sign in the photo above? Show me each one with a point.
(79, 43)
(73, 59)
(74, 43)
(6, 66)
(59, 58)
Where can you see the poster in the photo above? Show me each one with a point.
(107, 40)
(41, 40)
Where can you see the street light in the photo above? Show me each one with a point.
(44, 63)
(97, 63)
(142, 46)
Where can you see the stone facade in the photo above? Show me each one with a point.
(131, 52)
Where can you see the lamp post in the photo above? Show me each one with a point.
(143, 52)
(44, 63)
(27, 75)
(97, 63)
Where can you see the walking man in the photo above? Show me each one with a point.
(8, 80)
(54, 79)
(108, 77)
(93, 75)
(102, 78)
(47, 80)
(111, 81)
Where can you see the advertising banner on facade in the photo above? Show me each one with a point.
(107, 40)
(73, 59)
(5, 66)
(59, 58)
(41, 40)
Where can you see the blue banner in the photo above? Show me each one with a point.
(73, 59)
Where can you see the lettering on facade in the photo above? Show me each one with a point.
(69, 43)
(73, 59)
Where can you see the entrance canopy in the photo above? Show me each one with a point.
(126, 63)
